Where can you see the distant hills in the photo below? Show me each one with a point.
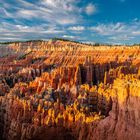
(63, 39)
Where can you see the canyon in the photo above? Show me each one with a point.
(64, 90)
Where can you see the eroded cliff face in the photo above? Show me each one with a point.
(64, 90)
(123, 120)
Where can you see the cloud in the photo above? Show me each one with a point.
(24, 32)
(39, 19)
(90, 9)
(77, 28)
(64, 5)
(62, 11)
(108, 29)
(68, 36)
(136, 32)
(73, 37)
(44, 28)
(52, 11)
(121, 37)
(119, 31)
(89, 42)
(42, 19)
(27, 13)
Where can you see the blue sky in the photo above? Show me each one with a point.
(89, 21)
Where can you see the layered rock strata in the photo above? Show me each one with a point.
(65, 90)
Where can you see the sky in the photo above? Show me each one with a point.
(88, 21)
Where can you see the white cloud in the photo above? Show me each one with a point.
(69, 36)
(62, 11)
(121, 37)
(64, 21)
(77, 28)
(108, 29)
(136, 32)
(73, 37)
(52, 11)
(10, 38)
(44, 28)
(89, 42)
(117, 31)
(59, 18)
(24, 32)
(90, 9)
(27, 13)
(64, 5)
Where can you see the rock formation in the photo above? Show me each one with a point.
(69, 91)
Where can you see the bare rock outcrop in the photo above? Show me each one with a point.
(69, 91)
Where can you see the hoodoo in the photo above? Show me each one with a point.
(63, 90)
